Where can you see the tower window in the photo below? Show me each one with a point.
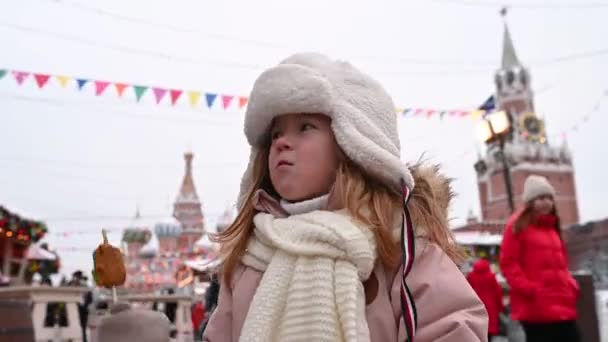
(510, 77)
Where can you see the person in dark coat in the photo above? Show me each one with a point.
(533, 259)
(483, 281)
(211, 297)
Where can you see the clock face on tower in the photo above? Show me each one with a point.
(531, 127)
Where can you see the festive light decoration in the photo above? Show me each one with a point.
(13, 226)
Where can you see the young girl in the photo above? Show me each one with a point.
(323, 241)
(533, 260)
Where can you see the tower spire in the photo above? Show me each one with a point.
(187, 207)
(509, 56)
(187, 192)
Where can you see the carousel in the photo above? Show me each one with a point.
(26, 268)
(20, 254)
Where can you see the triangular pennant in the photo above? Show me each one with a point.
(100, 86)
(489, 104)
(226, 100)
(81, 83)
(120, 88)
(242, 101)
(2, 73)
(464, 113)
(175, 94)
(406, 111)
(442, 114)
(159, 93)
(418, 111)
(63, 80)
(210, 99)
(139, 91)
(477, 113)
(194, 97)
(20, 76)
(430, 112)
(398, 109)
(41, 79)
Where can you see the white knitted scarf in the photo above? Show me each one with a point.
(314, 265)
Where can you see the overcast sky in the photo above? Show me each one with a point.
(82, 162)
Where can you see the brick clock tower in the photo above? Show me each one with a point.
(527, 150)
(187, 209)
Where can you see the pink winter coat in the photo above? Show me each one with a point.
(448, 309)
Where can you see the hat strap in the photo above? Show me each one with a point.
(408, 307)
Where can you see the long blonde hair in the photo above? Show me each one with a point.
(365, 198)
(526, 216)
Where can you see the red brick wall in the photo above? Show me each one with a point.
(586, 240)
(515, 106)
(493, 198)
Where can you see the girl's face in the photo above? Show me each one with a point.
(543, 204)
(303, 156)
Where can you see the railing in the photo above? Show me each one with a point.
(39, 297)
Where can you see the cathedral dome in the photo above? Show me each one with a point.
(169, 227)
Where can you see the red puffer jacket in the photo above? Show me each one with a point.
(483, 281)
(534, 262)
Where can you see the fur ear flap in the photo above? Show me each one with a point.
(434, 185)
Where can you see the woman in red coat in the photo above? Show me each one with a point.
(533, 260)
(483, 281)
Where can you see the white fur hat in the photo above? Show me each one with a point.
(535, 186)
(363, 115)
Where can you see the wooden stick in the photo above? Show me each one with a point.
(105, 236)
(114, 295)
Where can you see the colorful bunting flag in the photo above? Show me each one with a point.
(120, 88)
(159, 93)
(489, 104)
(20, 76)
(210, 99)
(139, 91)
(194, 97)
(242, 102)
(100, 86)
(81, 83)
(175, 94)
(226, 100)
(41, 79)
(63, 80)
(477, 113)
